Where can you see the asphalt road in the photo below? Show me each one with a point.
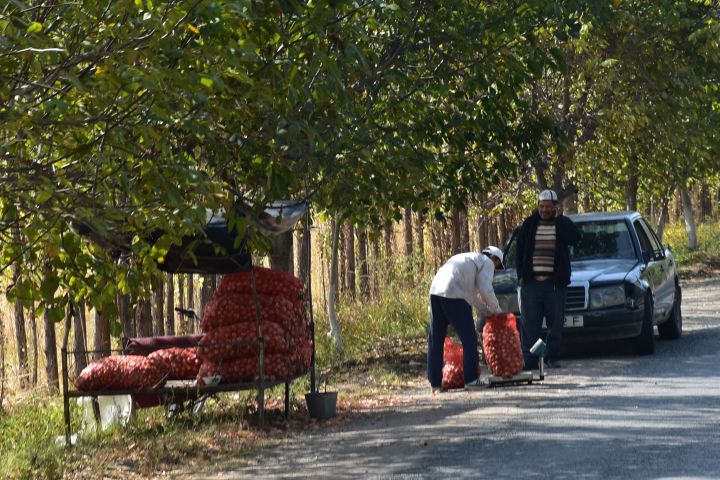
(606, 415)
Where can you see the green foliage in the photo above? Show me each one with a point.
(708, 251)
(133, 118)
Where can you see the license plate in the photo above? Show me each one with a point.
(573, 320)
(570, 321)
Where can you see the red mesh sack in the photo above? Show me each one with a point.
(501, 345)
(453, 368)
(241, 340)
(245, 369)
(177, 363)
(227, 308)
(119, 372)
(267, 281)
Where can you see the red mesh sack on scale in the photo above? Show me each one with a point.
(501, 345)
(453, 368)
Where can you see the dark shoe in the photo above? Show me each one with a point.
(477, 383)
(435, 390)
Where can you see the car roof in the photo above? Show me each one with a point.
(595, 216)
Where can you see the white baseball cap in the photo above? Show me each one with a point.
(548, 195)
(496, 252)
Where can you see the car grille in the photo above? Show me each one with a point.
(576, 297)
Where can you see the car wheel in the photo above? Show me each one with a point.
(671, 329)
(644, 344)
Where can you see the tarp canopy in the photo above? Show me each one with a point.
(215, 251)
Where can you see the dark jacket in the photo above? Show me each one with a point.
(566, 234)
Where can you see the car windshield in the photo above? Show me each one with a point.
(603, 239)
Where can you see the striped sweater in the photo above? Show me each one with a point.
(543, 258)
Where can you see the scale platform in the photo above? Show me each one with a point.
(525, 377)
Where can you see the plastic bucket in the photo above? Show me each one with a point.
(321, 405)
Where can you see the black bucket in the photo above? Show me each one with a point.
(321, 405)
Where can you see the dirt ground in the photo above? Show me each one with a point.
(388, 426)
(606, 414)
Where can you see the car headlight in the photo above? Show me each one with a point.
(634, 297)
(603, 297)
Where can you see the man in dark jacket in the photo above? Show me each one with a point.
(543, 270)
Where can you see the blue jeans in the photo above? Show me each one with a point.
(455, 311)
(538, 300)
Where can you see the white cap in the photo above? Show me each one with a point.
(548, 195)
(496, 252)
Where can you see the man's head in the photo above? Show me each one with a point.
(547, 204)
(496, 255)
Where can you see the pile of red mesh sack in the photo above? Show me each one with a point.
(501, 345)
(231, 344)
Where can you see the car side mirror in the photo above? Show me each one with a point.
(647, 256)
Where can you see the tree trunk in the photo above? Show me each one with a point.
(182, 319)
(332, 287)
(705, 202)
(33, 329)
(689, 220)
(500, 222)
(158, 313)
(493, 232)
(21, 339)
(20, 334)
(407, 218)
(143, 318)
(303, 257)
(464, 231)
(170, 305)
(281, 256)
(342, 273)
(389, 242)
(102, 335)
(455, 233)
(333, 279)
(206, 293)
(350, 258)
(662, 218)
(436, 246)
(80, 339)
(677, 211)
(126, 316)
(51, 359)
(375, 266)
(586, 198)
(482, 231)
(362, 261)
(631, 185)
(420, 233)
(190, 303)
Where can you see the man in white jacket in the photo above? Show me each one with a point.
(463, 282)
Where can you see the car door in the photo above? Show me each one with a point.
(658, 270)
(666, 294)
